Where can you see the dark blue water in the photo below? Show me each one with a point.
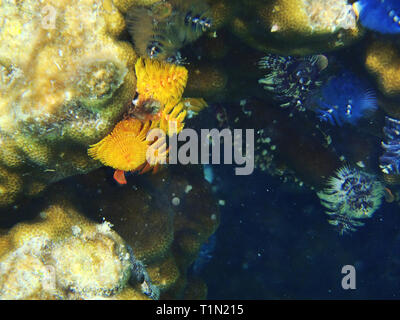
(274, 243)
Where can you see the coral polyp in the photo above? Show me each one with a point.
(379, 15)
(390, 160)
(63, 255)
(292, 80)
(295, 27)
(345, 99)
(351, 195)
(65, 79)
(383, 63)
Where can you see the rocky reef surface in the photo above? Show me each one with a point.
(137, 243)
(68, 78)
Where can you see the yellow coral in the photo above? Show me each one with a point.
(159, 80)
(124, 5)
(81, 261)
(206, 81)
(155, 228)
(383, 61)
(309, 16)
(65, 80)
(62, 255)
(10, 184)
(221, 11)
(148, 229)
(164, 273)
(298, 27)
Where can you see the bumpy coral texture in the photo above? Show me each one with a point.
(165, 236)
(383, 61)
(63, 255)
(69, 252)
(64, 82)
(296, 26)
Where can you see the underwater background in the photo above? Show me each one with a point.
(256, 257)
(86, 213)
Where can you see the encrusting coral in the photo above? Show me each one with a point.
(296, 26)
(206, 81)
(64, 81)
(165, 235)
(95, 250)
(68, 74)
(63, 255)
(383, 61)
(124, 5)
